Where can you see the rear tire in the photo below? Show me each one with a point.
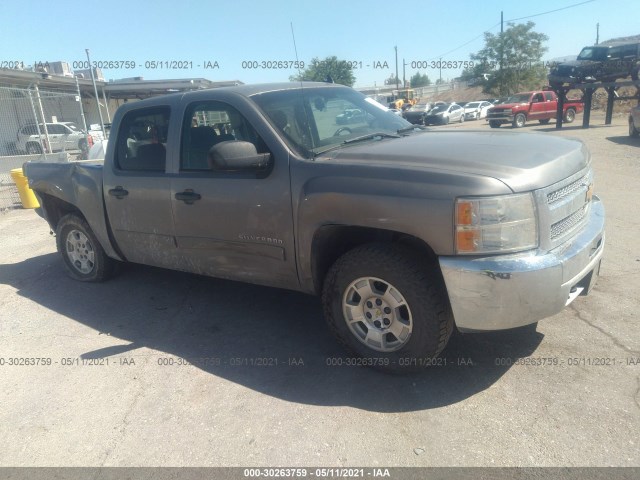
(570, 115)
(387, 308)
(83, 256)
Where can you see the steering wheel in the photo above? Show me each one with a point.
(341, 130)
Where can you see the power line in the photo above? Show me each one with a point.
(551, 11)
(511, 20)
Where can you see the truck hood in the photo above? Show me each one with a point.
(508, 105)
(522, 161)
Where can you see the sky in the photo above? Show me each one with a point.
(233, 38)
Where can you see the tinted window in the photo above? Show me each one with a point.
(142, 140)
(207, 124)
(29, 130)
(56, 129)
(548, 95)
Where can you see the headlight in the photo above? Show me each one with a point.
(505, 223)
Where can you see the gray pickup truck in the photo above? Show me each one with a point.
(405, 232)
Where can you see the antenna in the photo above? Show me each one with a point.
(307, 129)
(295, 49)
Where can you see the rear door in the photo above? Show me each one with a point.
(232, 224)
(137, 187)
(57, 135)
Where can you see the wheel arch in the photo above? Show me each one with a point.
(55, 208)
(330, 242)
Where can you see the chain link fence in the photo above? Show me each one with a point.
(37, 125)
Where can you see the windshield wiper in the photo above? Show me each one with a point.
(411, 128)
(368, 136)
(371, 136)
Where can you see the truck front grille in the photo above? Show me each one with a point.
(561, 193)
(564, 208)
(568, 224)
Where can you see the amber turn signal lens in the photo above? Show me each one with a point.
(464, 213)
(466, 240)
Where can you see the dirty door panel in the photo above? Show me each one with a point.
(232, 224)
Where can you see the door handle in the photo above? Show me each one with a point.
(118, 192)
(188, 196)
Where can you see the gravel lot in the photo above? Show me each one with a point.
(116, 393)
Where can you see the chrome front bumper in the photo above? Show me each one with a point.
(507, 291)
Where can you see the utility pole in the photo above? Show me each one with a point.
(597, 33)
(397, 79)
(440, 65)
(404, 74)
(501, 52)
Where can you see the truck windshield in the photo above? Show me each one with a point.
(593, 53)
(519, 98)
(316, 119)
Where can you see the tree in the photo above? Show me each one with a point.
(519, 49)
(330, 69)
(391, 80)
(440, 81)
(419, 80)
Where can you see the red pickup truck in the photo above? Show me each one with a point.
(538, 105)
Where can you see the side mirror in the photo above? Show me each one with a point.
(234, 155)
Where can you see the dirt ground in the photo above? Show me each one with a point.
(158, 368)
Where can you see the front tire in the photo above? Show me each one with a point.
(83, 256)
(545, 121)
(494, 124)
(386, 307)
(519, 120)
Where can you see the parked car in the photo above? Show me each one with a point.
(443, 114)
(61, 136)
(476, 110)
(351, 115)
(536, 105)
(462, 104)
(599, 63)
(634, 121)
(417, 113)
(405, 233)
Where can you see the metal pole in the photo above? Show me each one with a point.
(95, 90)
(611, 91)
(560, 106)
(501, 52)
(84, 120)
(404, 74)
(597, 33)
(106, 106)
(35, 117)
(44, 120)
(586, 115)
(396, 47)
(440, 65)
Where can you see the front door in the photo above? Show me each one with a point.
(232, 224)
